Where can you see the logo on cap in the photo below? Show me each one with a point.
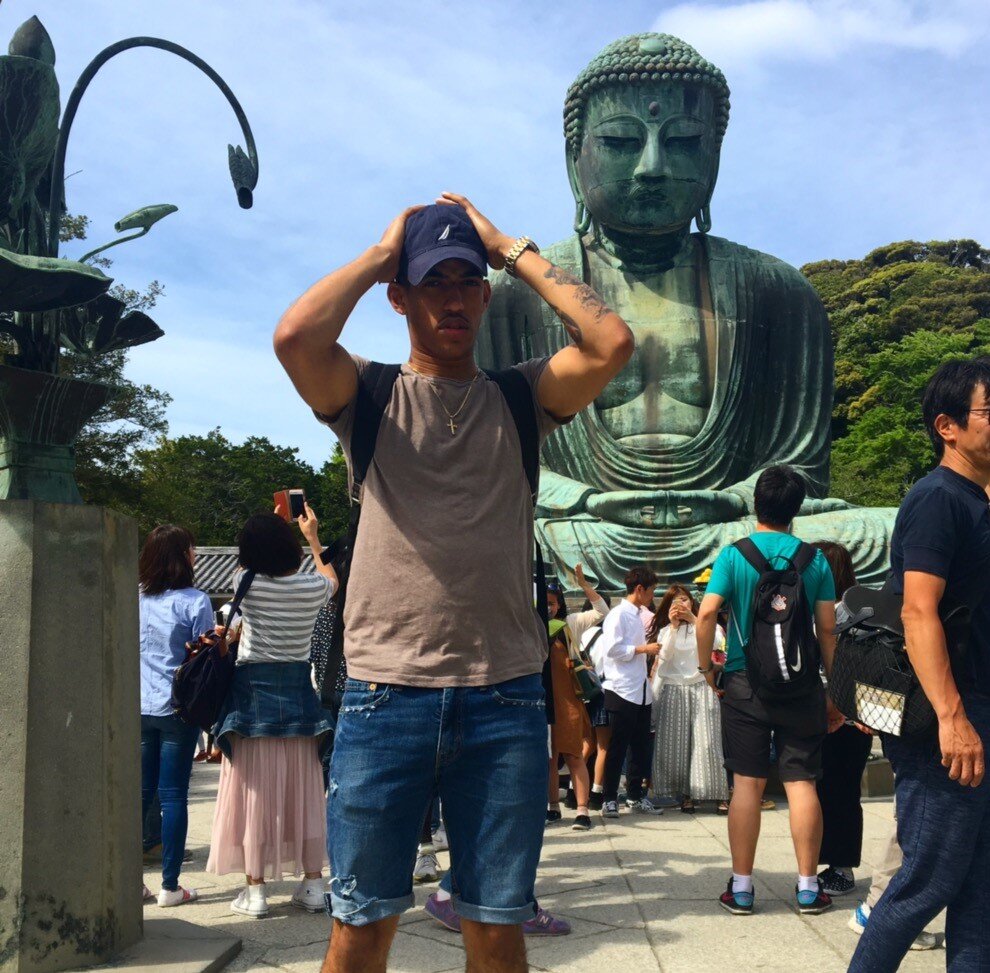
(445, 234)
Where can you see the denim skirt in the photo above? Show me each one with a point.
(272, 699)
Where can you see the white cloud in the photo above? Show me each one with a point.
(746, 35)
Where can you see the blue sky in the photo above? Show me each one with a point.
(853, 124)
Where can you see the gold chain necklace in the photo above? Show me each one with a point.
(451, 416)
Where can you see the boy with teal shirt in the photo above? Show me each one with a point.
(797, 727)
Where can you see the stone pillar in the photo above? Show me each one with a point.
(70, 804)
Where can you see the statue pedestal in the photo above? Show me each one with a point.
(70, 804)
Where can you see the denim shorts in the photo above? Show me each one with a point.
(482, 750)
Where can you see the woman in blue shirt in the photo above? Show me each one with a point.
(172, 612)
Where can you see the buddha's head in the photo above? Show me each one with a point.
(644, 123)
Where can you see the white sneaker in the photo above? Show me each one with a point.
(644, 806)
(251, 901)
(923, 941)
(440, 839)
(427, 869)
(179, 896)
(309, 896)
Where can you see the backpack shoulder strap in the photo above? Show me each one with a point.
(754, 556)
(518, 395)
(803, 557)
(373, 394)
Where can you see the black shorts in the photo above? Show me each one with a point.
(797, 728)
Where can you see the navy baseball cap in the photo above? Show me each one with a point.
(436, 233)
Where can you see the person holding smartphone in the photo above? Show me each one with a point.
(687, 757)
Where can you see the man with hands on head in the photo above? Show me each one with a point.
(446, 700)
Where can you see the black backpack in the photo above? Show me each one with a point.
(201, 684)
(782, 654)
(373, 395)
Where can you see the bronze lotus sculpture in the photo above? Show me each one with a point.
(47, 302)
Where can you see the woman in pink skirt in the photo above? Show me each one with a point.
(270, 816)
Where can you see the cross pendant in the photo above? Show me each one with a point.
(453, 426)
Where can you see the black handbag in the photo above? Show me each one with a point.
(201, 684)
(872, 680)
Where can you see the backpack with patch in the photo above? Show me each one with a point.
(782, 653)
(373, 395)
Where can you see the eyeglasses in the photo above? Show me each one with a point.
(981, 412)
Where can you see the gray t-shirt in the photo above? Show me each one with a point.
(441, 584)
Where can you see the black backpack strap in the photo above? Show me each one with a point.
(754, 556)
(543, 610)
(373, 395)
(242, 590)
(803, 557)
(374, 392)
(518, 394)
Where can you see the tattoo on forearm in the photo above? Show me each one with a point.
(571, 326)
(586, 295)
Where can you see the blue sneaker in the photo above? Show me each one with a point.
(738, 903)
(811, 902)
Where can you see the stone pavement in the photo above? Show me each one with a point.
(638, 892)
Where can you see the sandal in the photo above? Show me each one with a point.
(688, 806)
(722, 807)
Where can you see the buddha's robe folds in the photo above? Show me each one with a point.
(771, 400)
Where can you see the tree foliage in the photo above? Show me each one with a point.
(896, 315)
(211, 486)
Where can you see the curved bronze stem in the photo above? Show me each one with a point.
(72, 105)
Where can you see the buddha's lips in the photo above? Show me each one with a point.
(645, 193)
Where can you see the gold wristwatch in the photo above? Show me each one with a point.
(517, 249)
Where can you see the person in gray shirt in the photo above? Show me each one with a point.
(444, 648)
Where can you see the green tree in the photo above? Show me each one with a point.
(895, 316)
(330, 499)
(211, 486)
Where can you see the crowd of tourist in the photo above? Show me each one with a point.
(651, 721)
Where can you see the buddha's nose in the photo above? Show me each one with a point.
(652, 160)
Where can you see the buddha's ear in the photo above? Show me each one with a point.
(714, 176)
(703, 218)
(582, 218)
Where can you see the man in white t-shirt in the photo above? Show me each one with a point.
(628, 697)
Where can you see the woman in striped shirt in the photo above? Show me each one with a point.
(271, 811)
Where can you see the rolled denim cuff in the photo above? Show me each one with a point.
(493, 916)
(353, 913)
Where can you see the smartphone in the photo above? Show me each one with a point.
(221, 618)
(290, 504)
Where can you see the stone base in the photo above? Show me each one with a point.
(70, 811)
(178, 947)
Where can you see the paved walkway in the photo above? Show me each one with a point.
(639, 894)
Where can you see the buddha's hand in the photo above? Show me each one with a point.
(496, 243)
(824, 506)
(667, 508)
